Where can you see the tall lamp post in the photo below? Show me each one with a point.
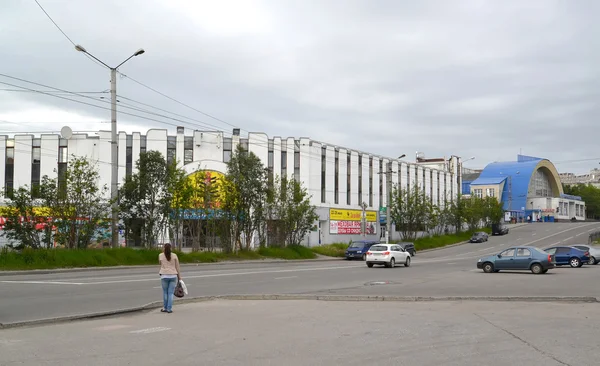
(388, 211)
(114, 176)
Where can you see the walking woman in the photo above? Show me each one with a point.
(170, 274)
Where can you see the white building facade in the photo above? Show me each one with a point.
(339, 179)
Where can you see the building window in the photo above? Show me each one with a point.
(424, 183)
(438, 189)
(188, 149)
(370, 181)
(270, 162)
(336, 179)
(399, 175)
(9, 172)
(540, 187)
(431, 186)
(283, 159)
(128, 155)
(360, 176)
(142, 144)
(297, 160)
(171, 149)
(36, 159)
(381, 182)
(348, 176)
(227, 148)
(323, 172)
(478, 192)
(408, 184)
(490, 192)
(244, 144)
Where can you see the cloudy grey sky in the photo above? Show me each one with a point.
(465, 77)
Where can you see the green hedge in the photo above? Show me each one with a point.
(331, 250)
(81, 258)
(438, 241)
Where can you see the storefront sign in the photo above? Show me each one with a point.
(351, 215)
(548, 210)
(350, 228)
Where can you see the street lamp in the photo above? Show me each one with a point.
(114, 176)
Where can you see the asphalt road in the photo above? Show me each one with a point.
(231, 333)
(445, 272)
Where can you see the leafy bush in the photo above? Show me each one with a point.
(289, 252)
(437, 241)
(331, 250)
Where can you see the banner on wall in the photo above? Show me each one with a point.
(348, 222)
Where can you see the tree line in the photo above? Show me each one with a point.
(248, 205)
(414, 212)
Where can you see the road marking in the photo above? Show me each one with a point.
(569, 238)
(533, 234)
(149, 330)
(45, 282)
(451, 263)
(284, 278)
(215, 275)
(519, 239)
(579, 234)
(590, 230)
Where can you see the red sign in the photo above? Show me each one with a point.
(350, 227)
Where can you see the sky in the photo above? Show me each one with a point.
(473, 78)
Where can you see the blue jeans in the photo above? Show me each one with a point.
(168, 286)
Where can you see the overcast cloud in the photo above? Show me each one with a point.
(466, 77)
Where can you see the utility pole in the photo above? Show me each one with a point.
(114, 156)
(388, 209)
(364, 220)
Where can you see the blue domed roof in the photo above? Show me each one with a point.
(517, 175)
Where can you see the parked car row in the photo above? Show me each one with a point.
(536, 260)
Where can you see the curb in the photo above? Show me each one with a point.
(183, 265)
(157, 304)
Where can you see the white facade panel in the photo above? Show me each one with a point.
(23, 158)
(3, 162)
(305, 162)
(428, 187)
(122, 151)
(156, 140)
(329, 175)
(365, 179)
(342, 177)
(354, 199)
(314, 161)
(403, 169)
(394, 174)
(434, 187)
(49, 158)
(290, 157)
(376, 175)
(208, 145)
(179, 150)
(411, 176)
(100, 149)
(135, 151)
(385, 182)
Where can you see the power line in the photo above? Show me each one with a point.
(63, 33)
(177, 101)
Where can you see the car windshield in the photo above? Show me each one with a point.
(356, 245)
(379, 248)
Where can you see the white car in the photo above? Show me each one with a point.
(594, 252)
(388, 255)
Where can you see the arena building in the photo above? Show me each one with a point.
(345, 184)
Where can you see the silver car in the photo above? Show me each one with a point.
(594, 252)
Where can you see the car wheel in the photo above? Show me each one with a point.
(592, 261)
(392, 263)
(575, 262)
(364, 257)
(370, 265)
(407, 263)
(488, 267)
(536, 268)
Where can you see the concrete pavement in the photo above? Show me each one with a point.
(320, 333)
(449, 271)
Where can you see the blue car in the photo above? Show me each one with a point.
(569, 256)
(359, 249)
(522, 258)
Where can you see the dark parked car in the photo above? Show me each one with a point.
(522, 258)
(499, 229)
(358, 249)
(479, 237)
(409, 247)
(569, 256)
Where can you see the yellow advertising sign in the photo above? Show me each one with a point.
(351, 215)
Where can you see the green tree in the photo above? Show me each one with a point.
(411, 211)
(456, 212)
(474, 212)
(146, 197)
(78, 205)
(290, 211)
(493, 211)
(245, 195)
(23, 219)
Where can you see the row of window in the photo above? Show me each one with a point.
(489, 192)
